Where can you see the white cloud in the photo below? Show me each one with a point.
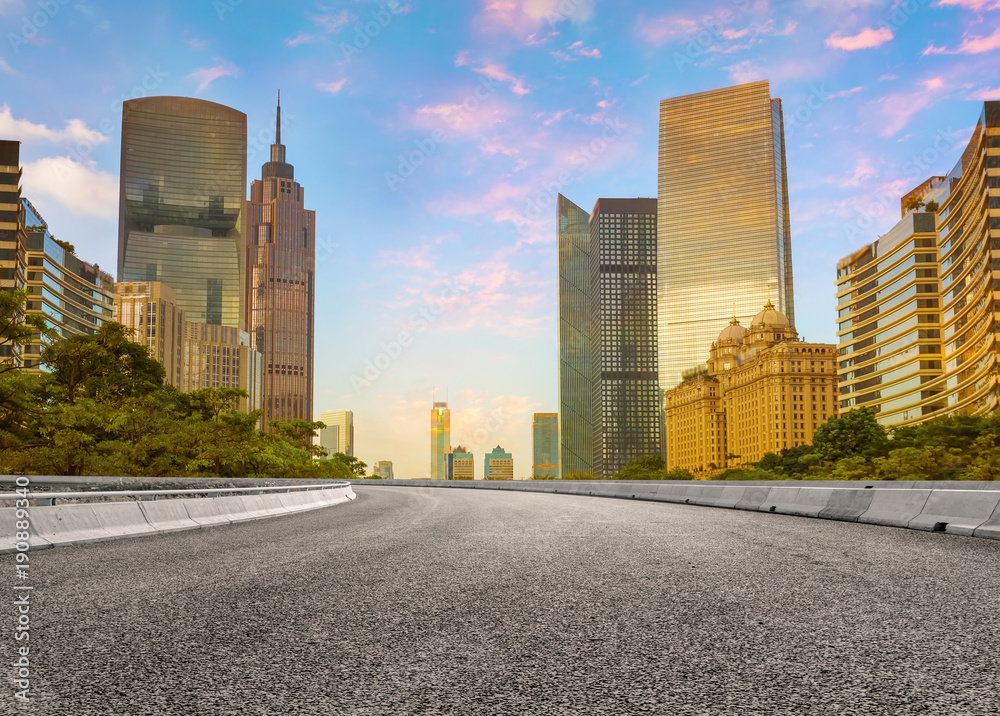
(81, 189)
(75, 131)
(867, 38)
(4, 67)
(205, 76)
(333, 88)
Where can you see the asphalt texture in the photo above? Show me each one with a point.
(431, 601)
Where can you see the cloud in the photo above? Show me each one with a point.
(524, 17)
(867, 38)
(897, 109)
(331, 22)
(977, 5)
(75, 131)
(4, 67)
(303, 38)
(205, 76)
(333, 88)
(971, 45)
(887, 78)
(987, 94)
(863, 171)
(81, 189)
(499, 73)
(661, 30)
(637, 82)
(9, 7)
(196, 43)
(576, 51)
(845, 93)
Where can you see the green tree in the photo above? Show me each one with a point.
(355, 467)
(579, 476)
(855, 433)
(300, 434)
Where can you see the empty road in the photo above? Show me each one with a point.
(433, 601)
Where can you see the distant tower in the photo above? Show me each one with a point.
(440, 440)
(281, 294)
(338, 435)
(545, 445)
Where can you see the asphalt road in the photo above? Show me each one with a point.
(431, 601)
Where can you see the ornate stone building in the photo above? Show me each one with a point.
(764, 390)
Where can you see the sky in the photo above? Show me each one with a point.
(433, 137)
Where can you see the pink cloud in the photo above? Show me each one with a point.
(977, 5)
(499, 73)
(205, 76)
(302, 38)
(898, 109)
(867, 38)
(526, 16)
(333, 88)
(971, 45)
(661, 30)
(331, 22)
(987, 94)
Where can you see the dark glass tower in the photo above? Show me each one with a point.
(625, 398)
(280, 302)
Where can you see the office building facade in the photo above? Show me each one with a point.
(150, 309)
(576, 425)
(383, 469)
(440, 440)
(724, 237)
(623, 295)
(280, 300)
(545, 446)
(338, 435)
(498, 465)
(916, 309)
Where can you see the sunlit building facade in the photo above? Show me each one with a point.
(762, 390)
(576, 425)
(13, 239)
(338, 435)
(724, 238)
(624, 382)
(183, 189)
(383, 469)
(498, 465)
(280, 300)
(545, 446)
(440, 440)
(461, 465)
(917, 309)
(150, 309)
(73, 296)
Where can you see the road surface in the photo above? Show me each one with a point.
(432, 601)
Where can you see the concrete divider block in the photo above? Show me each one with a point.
(167, 515)
(991, 527)
(122, 518)
(640, 492)
(847, 504)
(894, 508)
(207, 511)
(61, 524)
(753, 498)
(715, 495)
(9, 530)
(670, 493)
(300, 500)
(800, 501)
(272, 504)
(956, 512)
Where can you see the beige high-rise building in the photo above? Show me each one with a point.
(221, 357)
(722, 219)
(763, 390)
(150, 309)
(281, 292)
(338, 435)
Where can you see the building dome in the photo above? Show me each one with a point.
(733, 333)
(770, 317)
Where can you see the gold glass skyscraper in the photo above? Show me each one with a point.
(723, 235)
(440, 440)
(280, 301)
(183, 188)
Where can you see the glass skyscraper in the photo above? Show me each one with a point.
(183, 190)
(545, 445)
(625, 398)
(576, 427)
(440, 440)
(280, 301)
(724, 241)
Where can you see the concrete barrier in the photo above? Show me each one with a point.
(991, 527)
(799, 501)
(894, 508)
(847, 505)
(753, 498)
(64, 524)
(955, 512)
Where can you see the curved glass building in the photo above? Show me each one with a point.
(183, 184)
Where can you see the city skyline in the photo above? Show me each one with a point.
(430, 215)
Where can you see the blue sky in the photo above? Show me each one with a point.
(432, 137)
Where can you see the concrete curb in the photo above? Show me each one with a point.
(69, 524)
(967, 509)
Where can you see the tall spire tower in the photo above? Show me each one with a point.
(281, 296)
